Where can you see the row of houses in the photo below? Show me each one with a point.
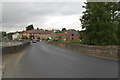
(68, 35)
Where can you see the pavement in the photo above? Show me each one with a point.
(41, 60)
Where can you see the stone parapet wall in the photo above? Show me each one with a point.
(5, 44)
(14, 48)
(110, 51)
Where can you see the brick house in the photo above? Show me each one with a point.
(46, 34)
(38, 33)
(69, 35)
(33, 34)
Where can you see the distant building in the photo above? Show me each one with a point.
(33, 34)
(46, 34)
(73, 35)
(69, 35)
(71, 30)
(26, 33)
(15, 36)
(38, 33)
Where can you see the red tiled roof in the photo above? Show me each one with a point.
(35, 31)
(28, 31)
(46, 32)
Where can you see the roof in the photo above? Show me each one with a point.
(68, 33)
(72, 32)
(46, 32)
(27, 31)
(35, 31)
(61, 34)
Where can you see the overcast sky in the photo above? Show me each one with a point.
(0, 16)
(46, 15)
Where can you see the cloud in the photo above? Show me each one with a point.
(17, 15)
(43, 0)
(0, 12)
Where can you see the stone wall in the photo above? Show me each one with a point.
(14, 48)
(110, 52)
(5, 44)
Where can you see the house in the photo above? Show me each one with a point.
(46, 34)
(17, 35)
(39, 33)
(32, 34)
(72, 35)
(69, 35)
(35, 34)
(56, 31)
(26, 34)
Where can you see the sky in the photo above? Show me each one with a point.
(46, 15)
(0, 16)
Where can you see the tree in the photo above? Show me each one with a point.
(29, 27)
(9, 35)
(3, 34)
(81, 33)
(118, 29)
(99, 23)
(63, 29)
(46, 30)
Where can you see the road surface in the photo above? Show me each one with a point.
(0, 66)
(41, 60)
(0, 62)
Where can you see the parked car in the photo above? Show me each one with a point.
(34, 41)
(38, 40)
(20, 39)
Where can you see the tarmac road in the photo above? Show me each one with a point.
(41, 60)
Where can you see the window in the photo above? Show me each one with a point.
(72, 38)
(72, 34)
